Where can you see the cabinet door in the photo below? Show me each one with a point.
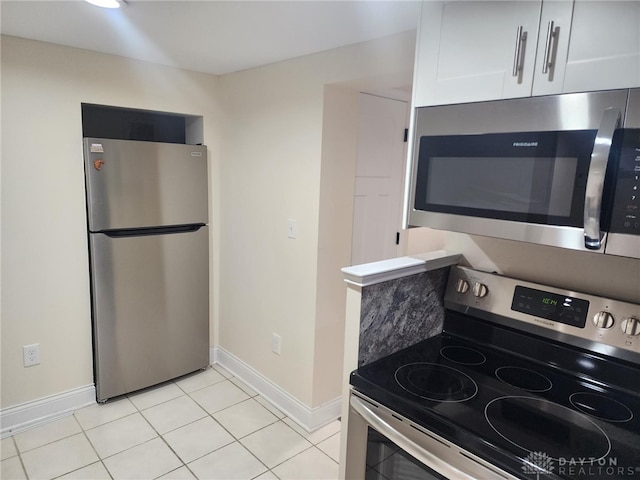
(605, 46)
(553, 44)
(466, 51)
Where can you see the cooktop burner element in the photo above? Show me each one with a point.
(600, 406)
(436, 382)
(524, 378)
(463, 355)
(538, 425)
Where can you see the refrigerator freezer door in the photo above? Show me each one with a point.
(144, 184)
(150, 302)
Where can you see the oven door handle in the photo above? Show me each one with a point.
(593, 237)
(406, 444)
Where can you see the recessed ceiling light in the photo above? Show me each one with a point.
(105, 3)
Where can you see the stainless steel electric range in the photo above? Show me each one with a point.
(526, 381)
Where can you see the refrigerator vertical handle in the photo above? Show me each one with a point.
(595, 181)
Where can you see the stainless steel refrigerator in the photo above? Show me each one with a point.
(147, 207)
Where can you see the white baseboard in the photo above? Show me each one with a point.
(44, 410)
(309, 418)
(31, 414)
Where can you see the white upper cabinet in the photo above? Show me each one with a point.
(466, 51)
(485, 50)
(604, 52)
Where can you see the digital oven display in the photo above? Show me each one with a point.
(558, 308)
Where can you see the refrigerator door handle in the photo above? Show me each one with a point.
(141, 232)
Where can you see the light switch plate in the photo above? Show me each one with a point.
(292, 231)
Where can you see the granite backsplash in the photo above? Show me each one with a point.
(399, 313)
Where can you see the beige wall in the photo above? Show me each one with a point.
(337, 188)
(604, 275)
(279, 148)
(45, 284)
(283, 159)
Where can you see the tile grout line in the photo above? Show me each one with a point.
(159, 435)
(100, 459)
(82, 431)
(239, 439)
(138, 410)
(210, 415)
(251, 395)
(19, 455)
(325, 453)
(269, 469)
(236, 439)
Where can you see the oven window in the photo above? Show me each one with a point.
(386, 461)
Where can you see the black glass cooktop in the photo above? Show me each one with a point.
(556, 414)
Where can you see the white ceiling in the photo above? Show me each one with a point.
(216, 37)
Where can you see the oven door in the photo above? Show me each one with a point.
(382, 445)
(387, 460)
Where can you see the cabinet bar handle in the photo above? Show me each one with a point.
(551, 34)
(521, 38)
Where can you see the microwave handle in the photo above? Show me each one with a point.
(595, 179)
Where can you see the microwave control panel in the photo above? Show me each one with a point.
(626, 202)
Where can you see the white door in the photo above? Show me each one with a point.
(377, 215)
(604, 52)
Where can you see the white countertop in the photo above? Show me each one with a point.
(384, 270)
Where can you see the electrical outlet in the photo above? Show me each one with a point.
(276, 342)
(31, 354)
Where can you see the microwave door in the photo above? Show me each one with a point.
(525, 186)
(461, 180)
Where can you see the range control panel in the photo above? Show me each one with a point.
(588, 321)
(544, 304)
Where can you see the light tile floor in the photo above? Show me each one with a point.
(209, 425)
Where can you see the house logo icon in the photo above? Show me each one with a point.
(536, 463)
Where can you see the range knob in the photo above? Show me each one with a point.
(462, 286)
(480, 289)
(603, 320)
(630, 326)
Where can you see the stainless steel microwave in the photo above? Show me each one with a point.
(560, 170)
